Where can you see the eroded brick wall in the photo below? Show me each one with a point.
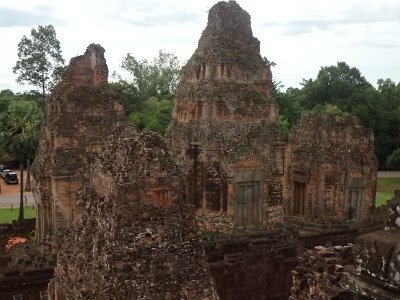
(330, 170)
(137, 238)
(256, 266)
(369, 268)
(24, 271)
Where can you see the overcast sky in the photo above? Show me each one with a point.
(300, 36)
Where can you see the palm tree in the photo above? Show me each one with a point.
(19, 136)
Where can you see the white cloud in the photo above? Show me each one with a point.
(10, 17)
(301, 36)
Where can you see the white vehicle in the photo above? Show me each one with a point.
(3, 172)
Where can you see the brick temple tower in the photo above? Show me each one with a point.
(225, 126)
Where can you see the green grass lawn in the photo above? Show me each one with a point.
(385, 189)
(7, 215)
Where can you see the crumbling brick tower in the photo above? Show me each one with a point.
(111, 200)
(78, 116)
(137, 237)
(225, 126)
(330, 170)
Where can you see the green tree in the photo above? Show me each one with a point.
(393, 160)
(40, 62)
(267, 62)
(131, 98)
(6, 93)
(337, 85)
(284, 126)
(328, 109)
(6, 96)
(342, 88)
(19, 136)
(156, 115)
(150, 78)
(289, 104)
(31, 95)
(386, 109)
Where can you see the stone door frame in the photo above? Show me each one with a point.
(247, 178)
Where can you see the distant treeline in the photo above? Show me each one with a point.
(340, 90)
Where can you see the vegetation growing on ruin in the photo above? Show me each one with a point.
(328, 109)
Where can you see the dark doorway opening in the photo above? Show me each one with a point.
(248, 211)
(299, 198)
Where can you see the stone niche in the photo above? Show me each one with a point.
(225, 127)
(78, 116)
(137, 237)
(330, 170)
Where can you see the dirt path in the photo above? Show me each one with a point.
(388, 174)
(11, 189)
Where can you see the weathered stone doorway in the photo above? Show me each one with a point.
(299, 198)
(354, 200)
(355, 197)
(247, 199)
(247, 204)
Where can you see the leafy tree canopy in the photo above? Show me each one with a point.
(393, 160)
(7, 97)
(341, 89)
(327, 109)
(40, 62)
(19, 135)
(156, 77)
(156, 115)
(336, 85)
(20, 129)
(150, 78)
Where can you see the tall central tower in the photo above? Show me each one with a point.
(225, 125)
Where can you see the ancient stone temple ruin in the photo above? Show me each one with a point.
(78, 116)
(225, 126)
(110, 201)
(376, 268)
(330, 170)
(215, 209)
(366, 269)
(137, 238)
